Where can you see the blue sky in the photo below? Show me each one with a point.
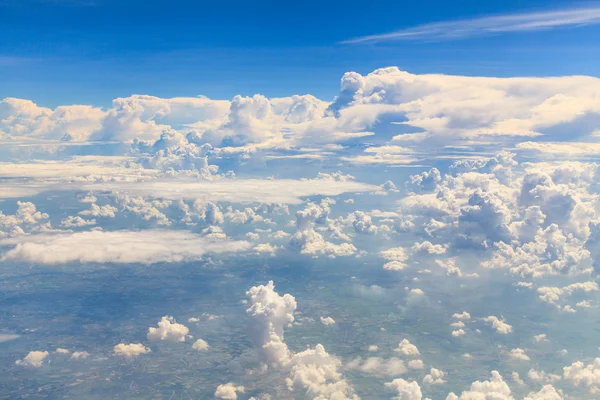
(91, 51)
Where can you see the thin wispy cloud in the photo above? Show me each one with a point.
(464, 28)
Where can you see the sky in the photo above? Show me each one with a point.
(324, 201)
(72, 52)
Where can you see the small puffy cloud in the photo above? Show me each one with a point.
(228, 391)
(200, 345)
(405, 390)
(78, 355)
(130, 351)
(458, 332)
(496, 388)
(548, 392)
(146, 247)
(33, 359)
(518, 354)
(327, 321)
(542, 376)
(396, 258)
(76, 222)
(542, 337)
(416, 364)
(435, 377)
(428, 248)
(463, 316)
(314, 374)
(499, 325)
(406, 348)
(168, 331)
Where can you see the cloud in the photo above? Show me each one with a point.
(168, 331)
(499, 325)
(270, 313)
(130, 351)
(435, 377)
(406, 348)
(405, 390)
(200, 345)
(584, 376)
(228, 391)
(519, 354)
(465, 28)
(496, 388)
(146, 247)
(33, 359)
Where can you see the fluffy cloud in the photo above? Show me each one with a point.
(406, 348)
(519, 354)
(435, 377)
(396, 258)
(405, 390)
(131, 350)
(494, 389)
(270, 313)
(33, 359)
(499, 325)
(200, 345)
(147, 247)
(584, 376)
(168, 331)
(228, 391)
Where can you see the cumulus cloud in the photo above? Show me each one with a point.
(396, 258)
(435, 377)
(270, 313)
(168, 331)
(499, 325)
(406, 348)
(519, 354)
(584, 376)
(33, 359)
(131, 350)
(146, 246)
(496, 388)
(405, 390)
(228, 391)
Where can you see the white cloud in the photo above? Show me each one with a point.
(228, 391)
(77, 355)
(396, 258)
(518, 22)
(495, 389)
(200, 345)
(146, 247)
(270, 313)
(131, 350)
(548, 392)
(519, 354)
(435, 377)
(327, 321)
(168, 331)
(584, 376)
(406, 348)
(405, 390)
(499, 325)
(33, 359)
